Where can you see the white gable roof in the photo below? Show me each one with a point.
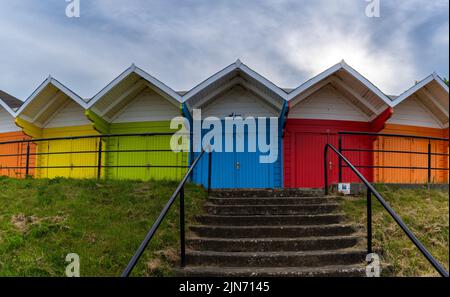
(52, 81)
(277, 94)
(332, 70)
(173, 96)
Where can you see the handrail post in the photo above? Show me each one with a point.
(429, 163)
(99, 162)
(209, 171)
(325, 168)
(369, 221)
(27, 161)
(340, 159)
(182, 230)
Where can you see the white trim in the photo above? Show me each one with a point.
(412, 90)
(59, 86)
(173, 96)
(354, 94)
(238, 65)
(330, 71)
(420, 85)
(7, 108)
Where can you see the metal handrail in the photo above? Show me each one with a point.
(371, 190)
(178, 192)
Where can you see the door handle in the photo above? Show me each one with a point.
(238, 165)
(331, 165)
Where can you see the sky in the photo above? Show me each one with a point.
(184, 42)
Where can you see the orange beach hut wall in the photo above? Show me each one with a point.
(11, 162)
(420, 111)
(54, 111)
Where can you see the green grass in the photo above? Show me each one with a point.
(425, 212)
(41, 221)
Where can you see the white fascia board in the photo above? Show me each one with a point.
(7, 108)
(111, 85)
(175, 97)
(330, 71)
(209, 81)
(264, 81)
(59, 86)
(440, 81)
(367, 83)
(314, 81)
(238, 65)
(412, 90)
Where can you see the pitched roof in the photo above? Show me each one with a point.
(133, 69)
(334, 69)
(10, 100)
(227, 75)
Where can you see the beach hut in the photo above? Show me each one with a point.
(420, 111)
(337, 100)
(54, 111)
(11, 161)
(238, 93)
(137, 103)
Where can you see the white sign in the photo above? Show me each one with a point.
(344, 189)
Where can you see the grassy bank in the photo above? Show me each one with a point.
(425, 212)
(41, 221)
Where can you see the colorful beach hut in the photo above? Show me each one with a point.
(54, 111)
(238, 92)
(137, 103)
(11, 161)
(420, 111)
(337, 100)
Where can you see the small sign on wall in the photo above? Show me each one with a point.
(344, 188)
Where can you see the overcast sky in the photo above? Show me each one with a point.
(184, 42)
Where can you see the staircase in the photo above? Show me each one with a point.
(273, 233)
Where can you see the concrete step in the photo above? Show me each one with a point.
(270, 209)
(271, 231)
(274, 220)
(272, 201)
(275, 259)
(272, 244)
(267, 193)
(325, 271)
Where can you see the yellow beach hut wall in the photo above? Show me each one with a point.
(53, 113)
(418, 117)
(135, 106)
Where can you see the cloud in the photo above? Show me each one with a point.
(182, 43)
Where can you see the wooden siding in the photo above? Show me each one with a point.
(412, 112)
(414, 176)
(7, 123)
(70, 115)
(304, 144)
(6, 162)
(147, 106)
(157, 158)
(327, 104)
(238, 101)
(69, 159)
